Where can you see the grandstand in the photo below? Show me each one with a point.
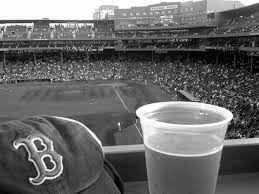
(100, 71)
(213, 61)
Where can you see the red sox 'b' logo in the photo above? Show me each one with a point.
(37, 157)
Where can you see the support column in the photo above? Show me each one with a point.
(217, 58)
(188, 58)
(251, 63)
(88, 58)
(234, 62)
(118, 53)
(61, 64)
(35, 59)
(4, 62)
(61, 57)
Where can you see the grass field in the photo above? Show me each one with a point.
(100, 105)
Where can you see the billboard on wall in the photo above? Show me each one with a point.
(164, 7)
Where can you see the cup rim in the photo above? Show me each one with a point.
(143, 110)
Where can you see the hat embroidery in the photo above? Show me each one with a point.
(37, 157)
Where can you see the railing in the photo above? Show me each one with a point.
(238, 168)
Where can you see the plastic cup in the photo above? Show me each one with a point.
(183, 145)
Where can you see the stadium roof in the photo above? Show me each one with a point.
(243, 10)
(55, 21)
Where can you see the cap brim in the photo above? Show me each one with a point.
(104, 185)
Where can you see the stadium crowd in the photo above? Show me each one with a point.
(237, 90)
(231, 25)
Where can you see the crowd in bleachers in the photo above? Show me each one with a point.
(57, 31)
(16, 28)
(178, 44)
(236, 24)
(237, 90)
(243, 19)
(225, 44)
(239, 24)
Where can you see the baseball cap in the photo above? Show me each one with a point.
(47, 154)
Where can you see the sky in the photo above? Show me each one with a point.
(69, 9)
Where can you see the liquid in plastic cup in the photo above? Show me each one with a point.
(183, 145)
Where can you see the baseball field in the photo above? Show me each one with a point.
(100, 105)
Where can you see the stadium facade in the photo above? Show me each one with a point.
(105, 12)
(225, 32)
(165, 13)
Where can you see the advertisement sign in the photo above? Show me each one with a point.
(164, 7)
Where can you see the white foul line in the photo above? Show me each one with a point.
(126, 109)
(121, 99)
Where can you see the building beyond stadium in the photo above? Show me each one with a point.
(165, 13)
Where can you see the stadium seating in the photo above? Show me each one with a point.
(204, 80)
